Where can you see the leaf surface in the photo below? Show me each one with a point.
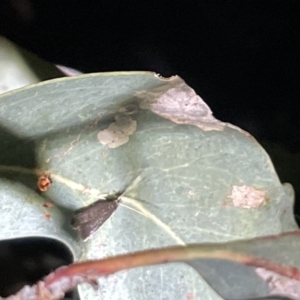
(201, 180)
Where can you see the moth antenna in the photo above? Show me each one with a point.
(132, 185)
(134, 210)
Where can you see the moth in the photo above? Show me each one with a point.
(89, 219)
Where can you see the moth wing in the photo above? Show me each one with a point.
(90, 218)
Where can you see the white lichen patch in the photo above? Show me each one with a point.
(118, 132)
(180, 104)
(247, 197)
(278, 284)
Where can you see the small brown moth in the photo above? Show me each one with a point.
(88, 219)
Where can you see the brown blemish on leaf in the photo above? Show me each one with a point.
(44, 182)
(129, 109)
(47, 215)
(247, 197)
(48, 204)
(117, 133)
(180, 104)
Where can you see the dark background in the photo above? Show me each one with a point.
(241, 57)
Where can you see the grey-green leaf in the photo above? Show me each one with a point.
(200, 180)
(19, 67)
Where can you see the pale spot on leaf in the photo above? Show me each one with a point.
(180, 104)
(247, 197)
(117, 133)
(279, 284)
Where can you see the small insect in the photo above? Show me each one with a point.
(88, 219)
(44, 182)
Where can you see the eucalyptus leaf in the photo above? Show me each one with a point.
(19, 67)
(201, 180)
(270, 265)
(282, 280)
